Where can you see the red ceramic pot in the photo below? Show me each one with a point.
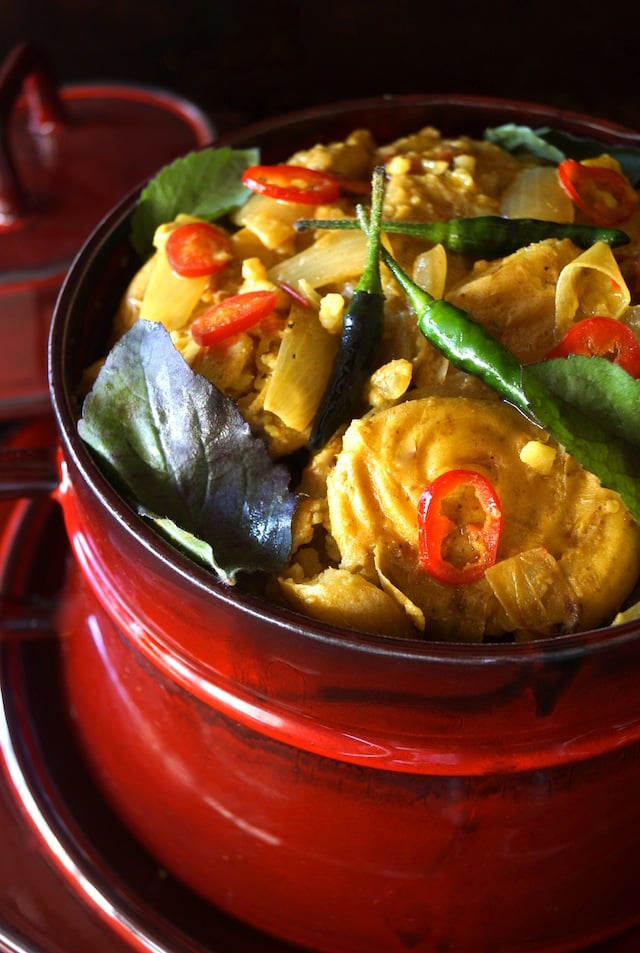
(342, 791)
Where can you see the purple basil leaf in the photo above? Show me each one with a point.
(180, 449)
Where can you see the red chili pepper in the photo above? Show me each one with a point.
(197, 249)
(442, 521)
(232, 315)
(603, 194)
(292, 183)
(601, 336)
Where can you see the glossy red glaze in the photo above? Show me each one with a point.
(67, 156)
(343, 791)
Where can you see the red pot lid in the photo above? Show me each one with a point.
(67, 156)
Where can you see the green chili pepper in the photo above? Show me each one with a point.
(360, 338)
(489, 236)
(587, 404)
(467, 344)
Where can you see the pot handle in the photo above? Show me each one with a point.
(28, 471)
(25, 68)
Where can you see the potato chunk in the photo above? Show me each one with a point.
(515, 297)
(348, 599)
(559, 567)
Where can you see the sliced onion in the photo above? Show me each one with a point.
(533, 590)
(302, 369)
(591, 284)
(537, 193)
(430, 270)
(334, 257)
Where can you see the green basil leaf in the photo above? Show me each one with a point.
(205, 183)
(181, 450)
(590, 406)
(197, 549)
(522, 139)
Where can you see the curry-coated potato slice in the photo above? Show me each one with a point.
(348, 599)
(515, 297)
(559, 567)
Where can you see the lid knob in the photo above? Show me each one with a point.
(26, 69)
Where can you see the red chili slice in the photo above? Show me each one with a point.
(292, 183)
(602, 336)
(232, 315)
(197, 249)
(603, 194)
(446, 517)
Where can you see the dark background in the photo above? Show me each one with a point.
(247, 60)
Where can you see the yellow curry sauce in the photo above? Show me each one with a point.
(569, 555)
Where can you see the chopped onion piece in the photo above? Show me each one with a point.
(533, 590)
(273, 222)
(430, 270)
(537, 193)
(302, 369)
(335, 257)
(591, 284)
